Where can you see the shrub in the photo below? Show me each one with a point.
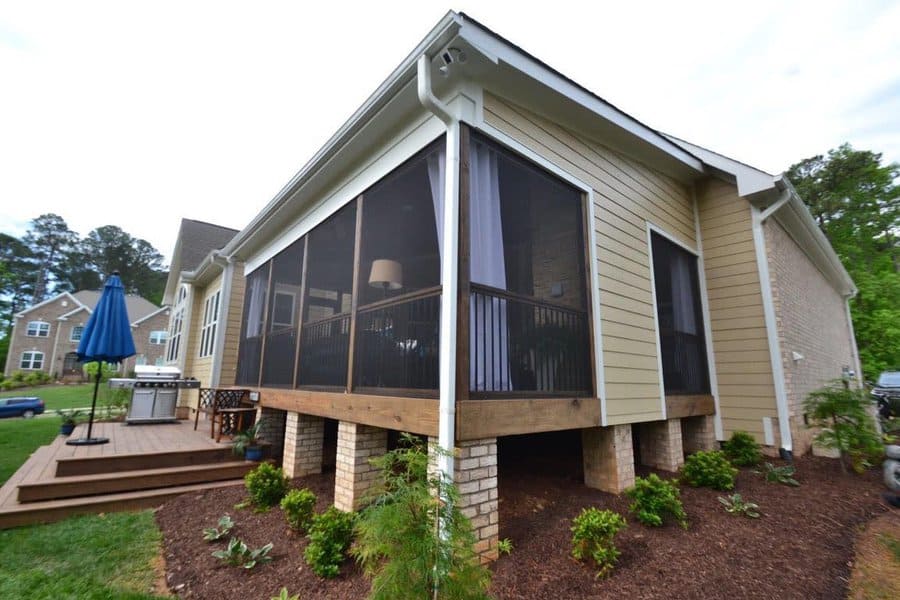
(330, 535)
(846, 424)
(736, 505)
(398, 541)
(299, 507)
(90, 371)
(709, 469)
(654, 498)
(505, 546)
(238, 554)
(742, 449)
(266, 484)
(783, 475)
(592, 536)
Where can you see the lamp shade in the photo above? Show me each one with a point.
(386, 274)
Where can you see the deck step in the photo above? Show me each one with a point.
(76, 486)
(116, 463)
(57, 510)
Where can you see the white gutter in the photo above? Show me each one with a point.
(765, 284)
(449, 271)
(857, 364)
(227, 265)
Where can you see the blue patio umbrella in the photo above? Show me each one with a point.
(106, 338)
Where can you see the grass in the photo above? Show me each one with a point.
(56, 397)
(91, 558)
(876, 565)
(19, 438)
(892, 544)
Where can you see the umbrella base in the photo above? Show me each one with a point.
(93, 441)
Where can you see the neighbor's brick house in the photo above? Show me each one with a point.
(45, 336)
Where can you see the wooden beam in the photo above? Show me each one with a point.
(587, 267)
(462, 308)
(415, 415)
(490, 418)
(300, 310)
(354, 294)
(265, 324)
(678, 407)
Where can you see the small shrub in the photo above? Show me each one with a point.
(709, 469)
(330, 535)
(843, 415)
(592, 536)
(736, 505)
(742, 450)
(267, 485)
(299, 507)
(783, 475)
(654, 498)
(239, 555)
(213, 534)
(505, 546)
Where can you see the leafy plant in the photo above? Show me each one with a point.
(285, 595)
(654, 498)
(299, 507)
(709, 469)
(505, 546)
(70, 417)
(846, 424)
(398, 540)
(246, 439)
(329, 537)
(267, 485)
(237, 554)
(783, 475)
(212, 534)
(592, 536)
(742, 450)
(736, 505)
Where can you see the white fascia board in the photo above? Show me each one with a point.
(150, 316)
(439, 36)
(749, 180)
(65, 316)
(499, 50)
(48, 301)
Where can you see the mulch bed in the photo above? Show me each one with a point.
(802, 547)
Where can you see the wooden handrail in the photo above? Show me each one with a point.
(402, 299)
(506, 295)
(336, 317)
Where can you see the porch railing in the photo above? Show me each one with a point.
(521, 344)
(324, 348)
(684, 362)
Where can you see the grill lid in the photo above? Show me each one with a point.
(156, 373)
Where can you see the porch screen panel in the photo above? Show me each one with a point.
(283, 317)
(400, 270)
(252, 327)
(325, 337)
(528, 308)
(680, 318)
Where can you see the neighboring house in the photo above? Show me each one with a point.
(202, 290)
(488, 249)
(45, 336)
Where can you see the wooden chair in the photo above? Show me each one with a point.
(220, 406)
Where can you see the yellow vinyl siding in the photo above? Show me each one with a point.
(627, 195)
(739, 338)
(232, 328)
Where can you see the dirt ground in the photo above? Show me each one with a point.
(876, 567)
(802, 547)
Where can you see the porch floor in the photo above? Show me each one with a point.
(141, 466)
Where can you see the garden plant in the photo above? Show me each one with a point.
(330, 535)
(593, 533)
(266, 485)
(299, 507)
(742, 450)
(709, 469)
(846, 425)
(654, 500)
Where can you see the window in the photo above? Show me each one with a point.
(140, 360)
(680, 318)
(176, 325)
(284, 310)
(75, 336)
(32, 360)
(210, 320)
(252, 327)
(158, 338)
(38, 329)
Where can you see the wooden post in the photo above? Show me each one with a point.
(354, 295)
(300, 310)
(462, 315)
(265, 326)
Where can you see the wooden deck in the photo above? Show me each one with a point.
(141, 466)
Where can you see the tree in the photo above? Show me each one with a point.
(856, 202)
(49, 239)
(17, 278)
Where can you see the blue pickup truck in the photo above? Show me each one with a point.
(24, 406)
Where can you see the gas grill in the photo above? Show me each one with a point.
(154, 393)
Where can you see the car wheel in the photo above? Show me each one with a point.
(28, 414)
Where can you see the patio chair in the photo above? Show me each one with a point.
(219, 406)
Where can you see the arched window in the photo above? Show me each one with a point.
(32, 360)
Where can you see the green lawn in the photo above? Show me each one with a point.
(93, 557)
(19, 438)
(61, 396)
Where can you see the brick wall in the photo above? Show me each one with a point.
(812, 321)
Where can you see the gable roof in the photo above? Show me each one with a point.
(65, 295)
(138, 307)
(196, 240)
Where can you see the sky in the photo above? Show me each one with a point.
(139, 114)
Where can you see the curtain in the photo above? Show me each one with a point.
(684, 317)
(257, 307)
(437, 167)
(488, 325)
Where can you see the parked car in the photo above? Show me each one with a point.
(25, 406)
(886, 392)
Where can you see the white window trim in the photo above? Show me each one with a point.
(161, 338)
(173, 343)
(38, 329)
(72, 337)
(31, 367)
(210, 324)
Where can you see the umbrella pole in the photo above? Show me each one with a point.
(94, 401)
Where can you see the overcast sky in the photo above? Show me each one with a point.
(139, 114)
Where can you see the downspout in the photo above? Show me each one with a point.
(181, 361)
(55, 346)
(449, 271)
(857, 364)
(758, 218)
(227, 264)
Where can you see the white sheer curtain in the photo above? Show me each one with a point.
(436, 172)
(257, 307)
(489, 342)
(684, 317)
